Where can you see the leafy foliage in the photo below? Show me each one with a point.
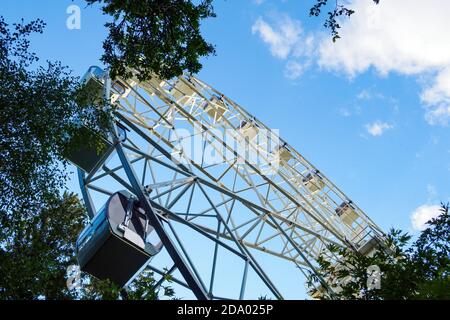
(155, 36)
(144, 287)
(41, 109)
(432, 257)
(332, 21)
(37, 247)
(36, 250)
(417, 271)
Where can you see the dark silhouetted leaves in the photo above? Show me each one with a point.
(337, 11)
(41, 108)
(420, 270)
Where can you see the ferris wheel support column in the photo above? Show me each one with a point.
(299, 251)
(191, 280)
(245, 251)
(154, 220)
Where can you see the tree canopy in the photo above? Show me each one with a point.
(155, 36)
(417, 270)
(163, 37)
(41, 109)
(42, 106)
(37, 249)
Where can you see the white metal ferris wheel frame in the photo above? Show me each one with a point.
(247, 205)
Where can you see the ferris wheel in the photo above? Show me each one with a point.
(189, 184)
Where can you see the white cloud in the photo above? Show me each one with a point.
(345, 112)
(258, 2)
(397, 36)
(423, 214)
(282, 37)
(287, 41)
(364, 95)
(377, 128)
(293, 69)
(407, 38)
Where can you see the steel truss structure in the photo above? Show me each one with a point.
(219, 219)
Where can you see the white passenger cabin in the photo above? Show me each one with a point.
(248, 130)
(180, 90)
(347, 213)
(313, 182)
(215, 108)
(282, 153)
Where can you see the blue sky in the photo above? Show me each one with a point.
(372, 111)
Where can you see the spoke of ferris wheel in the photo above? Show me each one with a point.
(146, 137)
(186, 188)
(292, 149)
(238, 227)
(321, 221)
